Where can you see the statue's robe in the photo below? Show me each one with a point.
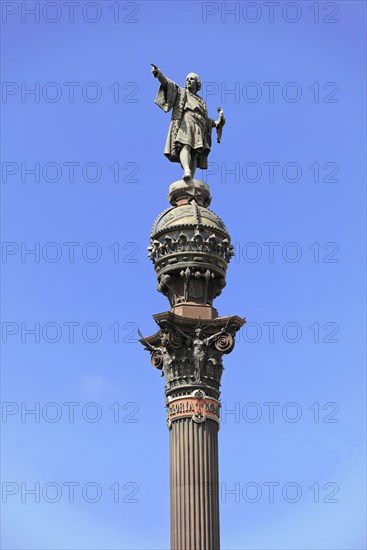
(190, 123)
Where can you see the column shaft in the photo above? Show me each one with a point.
(194, 485)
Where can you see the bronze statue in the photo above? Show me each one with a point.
(161, 355)
(189, 136)
(199, 349)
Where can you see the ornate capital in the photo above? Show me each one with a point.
(190, 355)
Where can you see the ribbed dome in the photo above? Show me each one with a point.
(188, 215)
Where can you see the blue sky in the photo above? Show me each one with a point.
(100, 180)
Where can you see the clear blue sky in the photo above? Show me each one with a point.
(297, 107)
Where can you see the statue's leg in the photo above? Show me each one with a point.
(201, 369)
(197, 371)
(193, 163)
(185, 160)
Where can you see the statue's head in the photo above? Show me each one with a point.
(193, 82)
(198, 332)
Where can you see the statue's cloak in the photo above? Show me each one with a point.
(190, 123)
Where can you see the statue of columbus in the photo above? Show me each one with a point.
(189, 136)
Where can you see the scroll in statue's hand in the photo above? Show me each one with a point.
(221, 120)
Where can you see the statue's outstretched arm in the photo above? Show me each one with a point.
(214, 337)
(186, 337)
(157, 73)
(148, 346)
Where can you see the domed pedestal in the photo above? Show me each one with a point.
(190, 249)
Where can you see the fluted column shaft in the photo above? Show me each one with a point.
(194, 485)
